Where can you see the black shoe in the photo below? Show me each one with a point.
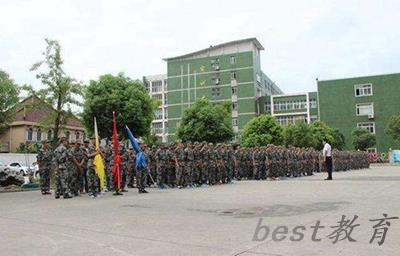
(124, 190)
(57, 197)
(142, 191)
(67, 196)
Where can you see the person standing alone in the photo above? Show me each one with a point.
(327, 153)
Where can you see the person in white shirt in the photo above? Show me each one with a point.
(327, 153)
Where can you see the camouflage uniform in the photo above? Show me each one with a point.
(61, 177)
(44, 158)
(108, 156)
(79, 156)
(91, 173)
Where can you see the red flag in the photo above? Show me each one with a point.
(117, 157)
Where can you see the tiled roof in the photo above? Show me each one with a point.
(25, 113)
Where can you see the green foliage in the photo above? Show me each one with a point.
(128, 98)
(362, 139)
(320, 131)
(205, 122)
(28, 147)
(393, 128)
(151, 140)
(262, 130)
(60, 91)
(8, 99)
(338, 140)
(298, 135)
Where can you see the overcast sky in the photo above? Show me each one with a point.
(303, 40)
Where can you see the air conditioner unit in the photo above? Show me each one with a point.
(371, 116)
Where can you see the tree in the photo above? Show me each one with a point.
(320, 131)
(362, 139)
(205, 122)
(338, 140)
(393, 128)
(128, 98)
(262, 130)
(298, 135)
(60, 91)
(8, 99)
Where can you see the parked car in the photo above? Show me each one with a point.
(3, 167)
(23, 170)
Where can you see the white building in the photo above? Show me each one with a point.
(156, 85)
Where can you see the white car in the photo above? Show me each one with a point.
(3, 167)
(17, 167)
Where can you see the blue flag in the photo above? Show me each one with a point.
(140, 159)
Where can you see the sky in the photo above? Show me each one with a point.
(303, 40)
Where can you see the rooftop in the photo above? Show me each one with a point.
(252, 39)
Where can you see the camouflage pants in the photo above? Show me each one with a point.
(44, 179)
(140, 177)
(62, 187)
(124, 172)
(188, 172)
(204, 173)
(160, 174)
(180, 175)
(73, 179)
(212, 174)
(92, 180)
(109, 177)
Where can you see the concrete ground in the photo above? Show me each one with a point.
(219, 220)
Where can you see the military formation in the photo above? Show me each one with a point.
(180, 165)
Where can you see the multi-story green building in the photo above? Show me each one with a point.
(291, 108)
(228, 72)
(366, 102)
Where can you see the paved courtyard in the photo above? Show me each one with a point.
(219, 220)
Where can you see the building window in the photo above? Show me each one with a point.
(363, 89)
(285, 120)
(157, 128)
(233, 60)
(234, 106)
(234, 91)
(67, 135)
(365, 109)
(370, 126)
(77, 135)
(258, 77)
(158, 113)
(372, 150)
(38, 135)
(234, 122)
(29, 136)
(313, 118)
(313, 103)
(216, 92)
(165, 113)
(157, 97)
(165, 99)
(217, 81)
(49, 134)
(233, 75)
(156, 86)
(165, 127)
(267, 107)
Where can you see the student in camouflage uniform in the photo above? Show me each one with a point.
(93, 185)
(180, 161)
(189, 163)
(61, 177)
(108, 157)
(44, 158)
(141, 171)
(78, 155)
(124, 167)
(161, 166)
